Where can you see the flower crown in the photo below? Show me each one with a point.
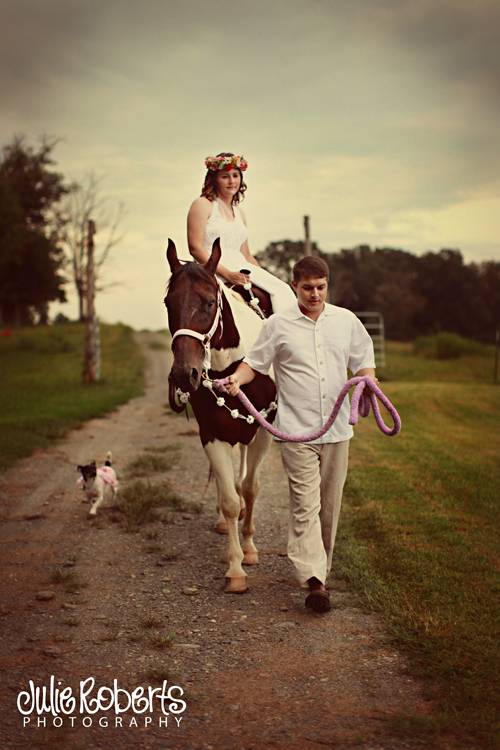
(216, 163)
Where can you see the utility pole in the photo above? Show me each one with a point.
(307, 241)
(91, 364)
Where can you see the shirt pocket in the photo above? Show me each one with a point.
(337, 347)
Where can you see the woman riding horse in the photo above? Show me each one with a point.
(216, 213)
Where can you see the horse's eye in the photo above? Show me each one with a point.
(210, 303)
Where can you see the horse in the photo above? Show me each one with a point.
(211, 330)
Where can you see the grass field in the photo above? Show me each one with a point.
(419, 532)
(41, 391)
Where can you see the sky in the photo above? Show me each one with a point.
(377, 118)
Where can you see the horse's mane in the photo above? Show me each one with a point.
(195, 270)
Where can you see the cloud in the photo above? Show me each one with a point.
(378, 118)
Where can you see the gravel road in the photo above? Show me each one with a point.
(85, 599)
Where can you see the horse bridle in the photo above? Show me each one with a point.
(205, 338)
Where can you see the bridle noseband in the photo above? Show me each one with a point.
(205, 338)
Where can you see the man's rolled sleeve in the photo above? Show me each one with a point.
(361, 352)
(260, 357)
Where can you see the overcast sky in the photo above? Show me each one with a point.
(378, 118)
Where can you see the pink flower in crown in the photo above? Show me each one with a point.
(226, 163)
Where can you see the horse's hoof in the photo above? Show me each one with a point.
(251, 558)
(236, 585)
(220, 527)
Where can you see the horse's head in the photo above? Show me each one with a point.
(191, 304)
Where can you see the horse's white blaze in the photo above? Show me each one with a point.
(248, 325)
(247, 322)
(222, 358)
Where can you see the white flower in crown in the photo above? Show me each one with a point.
(247, 286)
(221, 401)
(254, 302)
(250, 419)
(184, 398)
(222, 162)
(235, 413)
(208, 384)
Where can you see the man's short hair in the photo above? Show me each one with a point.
(310, 267)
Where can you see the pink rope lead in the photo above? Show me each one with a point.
(366, 393)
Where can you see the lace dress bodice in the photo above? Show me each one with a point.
(232, 235)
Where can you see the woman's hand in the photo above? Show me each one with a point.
(233, 385)
(237, 279)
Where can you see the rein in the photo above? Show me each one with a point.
(366, 393)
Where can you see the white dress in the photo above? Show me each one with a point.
(232, 236)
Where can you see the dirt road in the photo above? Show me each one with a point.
(84, 598)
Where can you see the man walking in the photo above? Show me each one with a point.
(311, 346)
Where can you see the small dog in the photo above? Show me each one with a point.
(97, 482)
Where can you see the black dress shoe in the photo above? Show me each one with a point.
(318, 600)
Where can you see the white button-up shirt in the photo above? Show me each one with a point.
(310, 360)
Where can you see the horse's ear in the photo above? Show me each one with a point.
(214, 259)
(173, 260)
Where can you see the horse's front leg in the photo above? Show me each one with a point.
(250, 489)
(221, 525)
(220, 457)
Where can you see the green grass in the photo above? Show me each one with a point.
(147, 464)
(402, 364)
(419, 531)
(41, 390)
(141, 501)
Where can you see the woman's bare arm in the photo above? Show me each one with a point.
(198, 216)
(245, 250)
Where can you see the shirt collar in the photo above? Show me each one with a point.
(295, 313)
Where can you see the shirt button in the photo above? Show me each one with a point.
(322, 379)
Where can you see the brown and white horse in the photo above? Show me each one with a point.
(211, 330)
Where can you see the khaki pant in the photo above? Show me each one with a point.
(316, 477)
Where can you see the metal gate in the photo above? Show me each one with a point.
(374, 324)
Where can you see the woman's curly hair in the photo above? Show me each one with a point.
(209, 189)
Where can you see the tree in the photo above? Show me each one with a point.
(279, 257)
(489, 276)
(453, 295)
(380, 279)
(85, 202)
(416, 295)
(31, 258)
